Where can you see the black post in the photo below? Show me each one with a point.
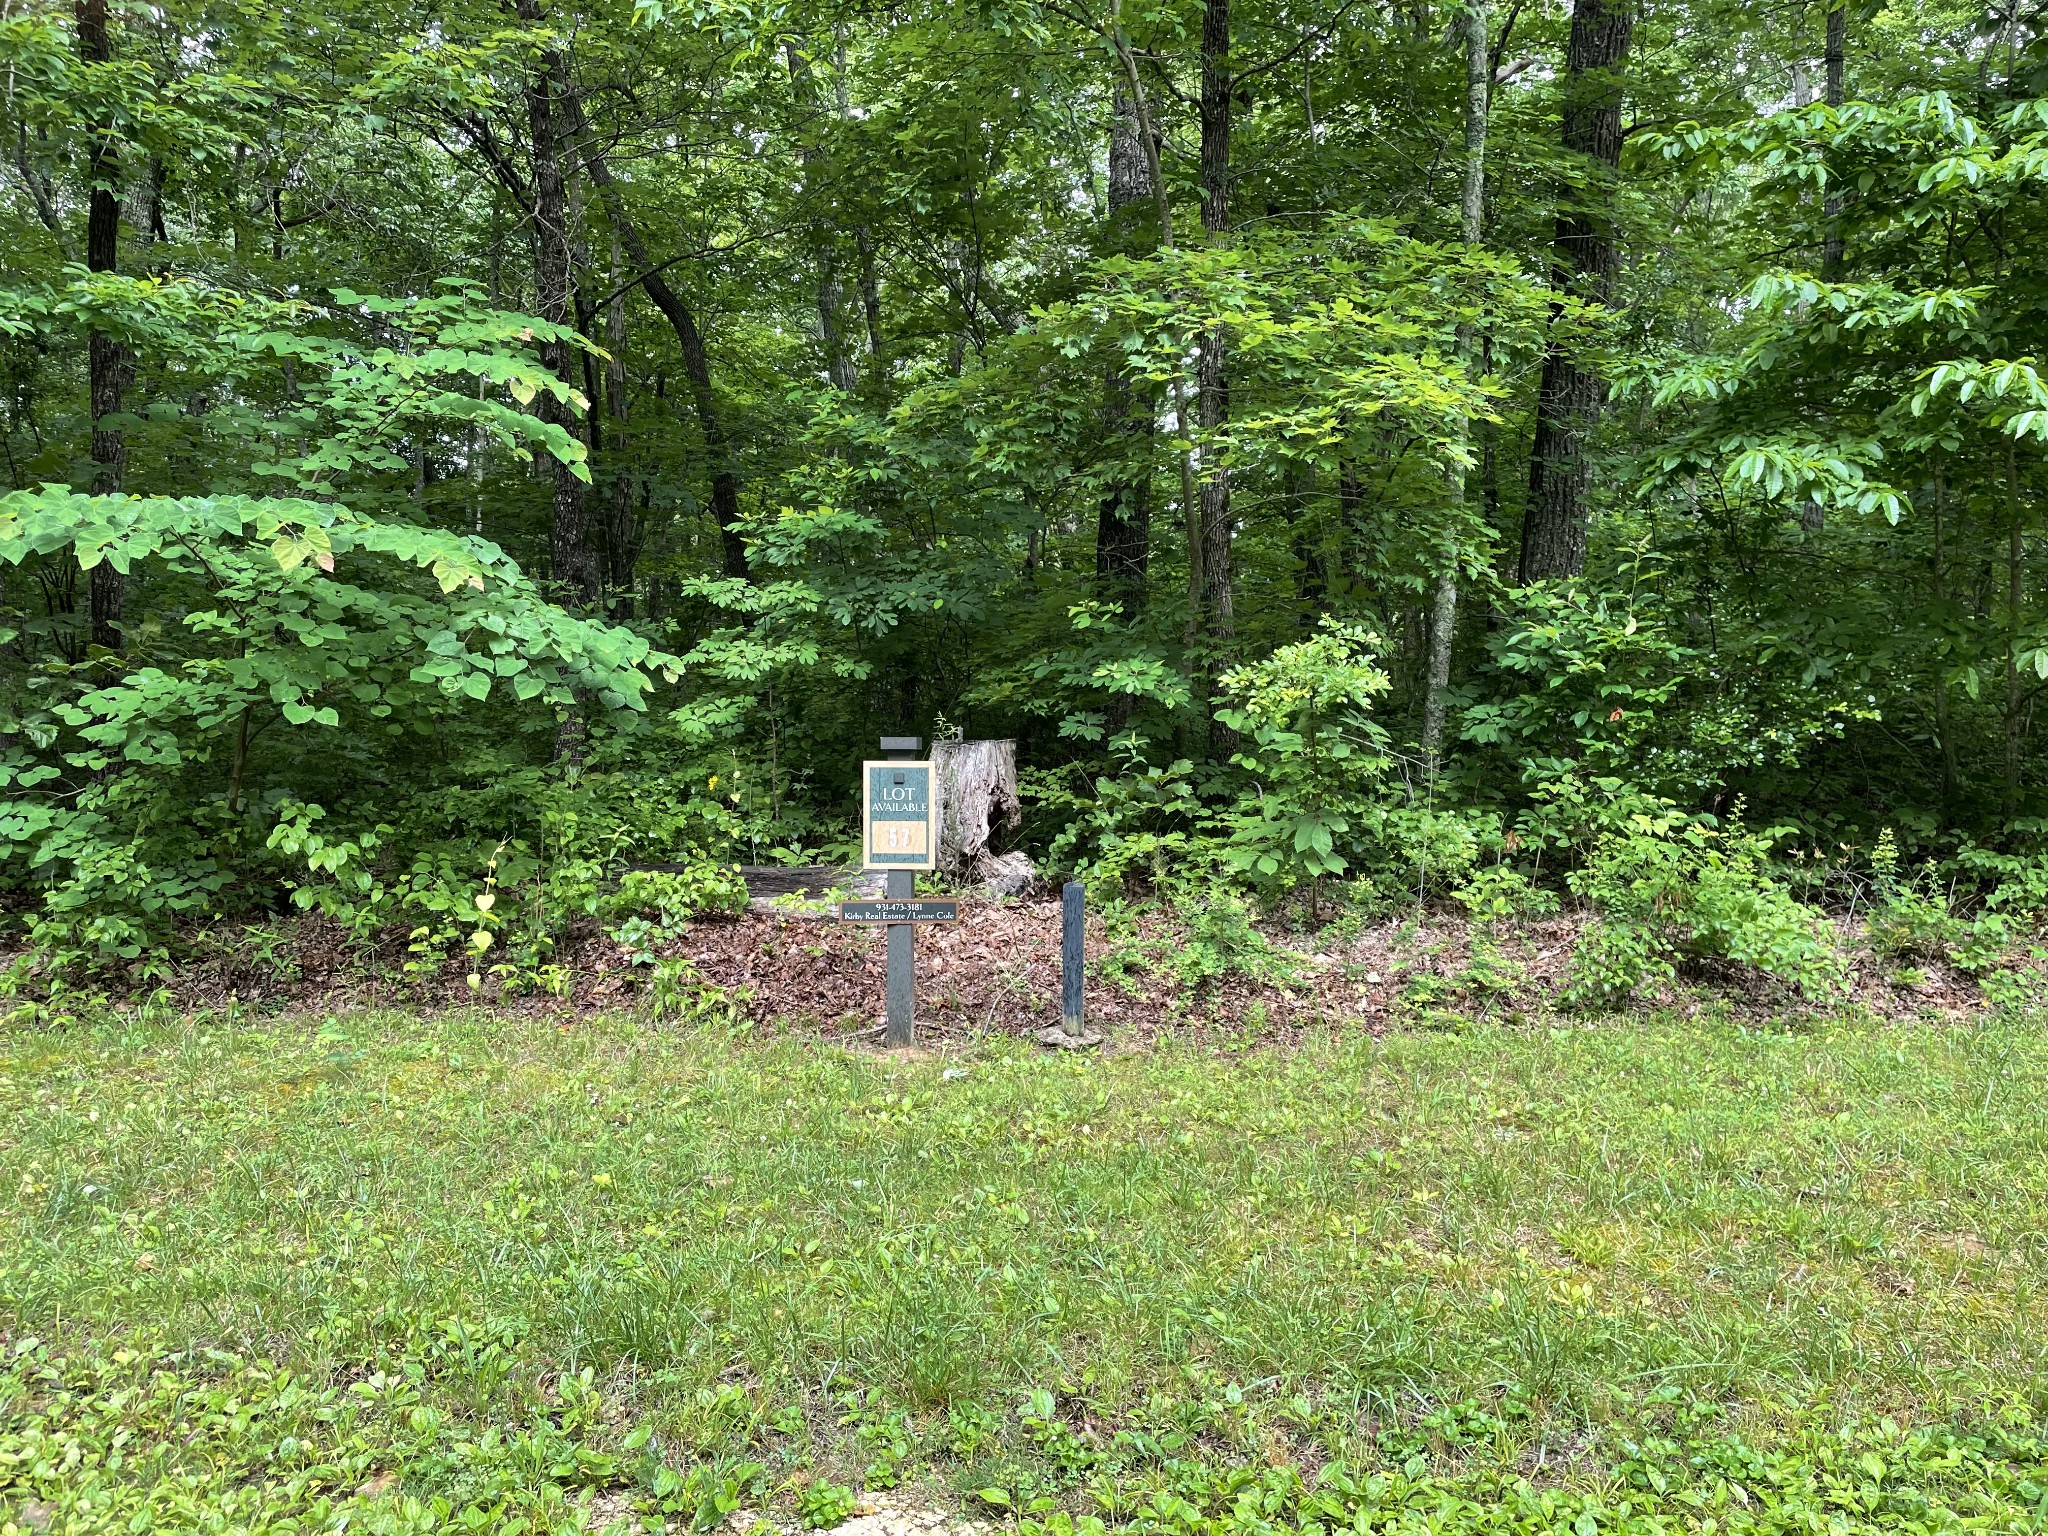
(901, 1015)
(1073, 957)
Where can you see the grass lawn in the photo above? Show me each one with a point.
(388, 1272)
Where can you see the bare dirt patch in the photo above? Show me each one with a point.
(879, 1514)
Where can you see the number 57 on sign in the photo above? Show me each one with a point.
(899, 813)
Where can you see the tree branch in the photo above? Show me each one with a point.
(39, 191)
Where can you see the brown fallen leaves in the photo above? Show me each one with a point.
(997, 971)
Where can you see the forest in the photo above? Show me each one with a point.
(1503, 543)
(1360, 451)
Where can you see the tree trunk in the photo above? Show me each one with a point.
(1831, 206)
(1813, 515)
(1212, 377)
(1478, 103)
(1950, 776)
(1190, 500)
(622, 532)
(871, 304)
(863, 242)
(593, 368)
(1123, 530)
(41, 193)
(831, 337)
(1351, 531)
(554, 299)
(2015, 586)
(106, 358)
(831, 297)
(159, 233)
(1443, 614)
(1572, 397)
(1306, 534)
(725, 480)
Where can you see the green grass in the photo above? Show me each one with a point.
(304, 1270)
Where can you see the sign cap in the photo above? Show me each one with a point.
(902, 743)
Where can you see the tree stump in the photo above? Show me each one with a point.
(978, 804)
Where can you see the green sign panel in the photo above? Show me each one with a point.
(899, 820)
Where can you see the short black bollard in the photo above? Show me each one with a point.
(1073, 958)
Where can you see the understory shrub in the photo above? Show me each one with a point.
(1310, 796)
(1313, 759)
(1134, 822)
(1219, 940)
(1501, 893)
(1667, 888)
(650, 908)
(1911, 917)
(307, 672)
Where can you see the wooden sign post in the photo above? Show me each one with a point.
(899, 834)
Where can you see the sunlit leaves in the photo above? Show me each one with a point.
(286, 630)
(1829, 375)
(1353, 326)
(1312, 751)
(292, 548)
(2009, 395)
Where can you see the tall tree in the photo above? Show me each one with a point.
(107, 360)
(863, 246)
(554, 279)
(1212, 366)
(1476, 33)
(1190, 498)
(1572, 396)
(839, 366)
(718, 445)
(622, 527)
(1123, 530)
(1834, 61)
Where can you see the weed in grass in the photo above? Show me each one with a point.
(823, 1505)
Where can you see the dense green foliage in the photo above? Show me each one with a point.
(741, 383)
(449, 1272)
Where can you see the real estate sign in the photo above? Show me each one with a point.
(913, 911)
(899, 816)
